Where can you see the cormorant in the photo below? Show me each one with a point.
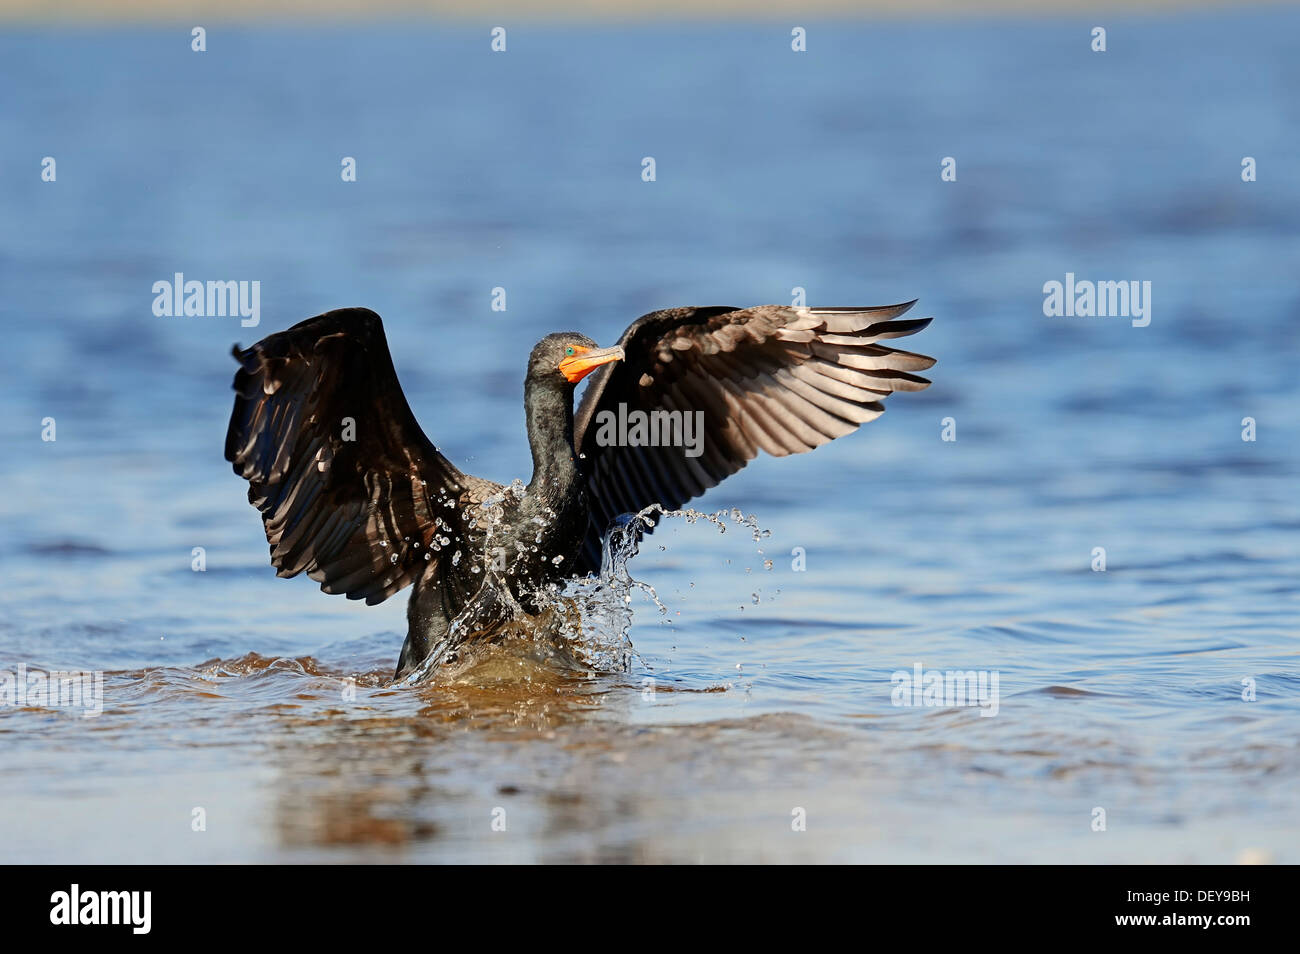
(353, 493)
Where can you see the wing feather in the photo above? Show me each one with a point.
(773, 378)
(349, 487)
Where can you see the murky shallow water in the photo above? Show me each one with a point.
(266, 704)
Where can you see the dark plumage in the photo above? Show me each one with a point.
(354, 494)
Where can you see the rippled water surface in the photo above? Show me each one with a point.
(758, 692)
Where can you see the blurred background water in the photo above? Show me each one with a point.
(1119, 689)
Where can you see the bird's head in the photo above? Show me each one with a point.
(570, 355)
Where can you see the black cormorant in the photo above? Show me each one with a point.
(353, 494)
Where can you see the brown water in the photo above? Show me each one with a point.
(510, 757)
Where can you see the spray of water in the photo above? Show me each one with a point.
(584, 623)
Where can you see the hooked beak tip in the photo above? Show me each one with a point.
(578, 366)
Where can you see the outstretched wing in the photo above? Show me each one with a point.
(773, 378)
(351, 491)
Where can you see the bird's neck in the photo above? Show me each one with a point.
(550, 435)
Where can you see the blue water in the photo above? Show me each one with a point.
(1120, 689)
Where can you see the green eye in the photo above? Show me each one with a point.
(569, 351)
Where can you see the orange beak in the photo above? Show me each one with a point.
(583, 361)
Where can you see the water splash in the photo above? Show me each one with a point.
(600, 617)
(583, 623)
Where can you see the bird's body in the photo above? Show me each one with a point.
(516, 540)
(353, 493)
